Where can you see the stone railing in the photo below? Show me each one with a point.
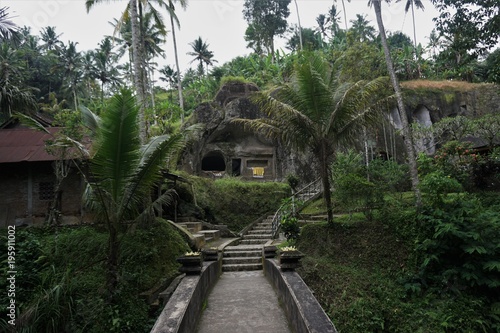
(302, 310)
(184, 307)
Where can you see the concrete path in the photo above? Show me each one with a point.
(243, 302)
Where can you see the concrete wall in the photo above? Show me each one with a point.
(302, 310)
(183, 309)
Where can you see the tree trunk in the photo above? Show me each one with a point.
(300, 26)
(345, 15)
(179, 83)
(408, 139)
(138, 69)
(325, 179)
(112, 262)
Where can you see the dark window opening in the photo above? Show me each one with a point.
(256, 163)
(236, 167)
(213, 163)
(46, 190)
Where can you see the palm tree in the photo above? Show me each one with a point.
(317, 112)
(132, 13)
(14, 94)
(105, 68)
(7, 27)
(434, 42)
(362, 28)
(300, 26)
(345, 14)
(408, 137)
(173, 18)
(70, 61)
(50, 39)
(411, 4)
(201, 53)
(122, 172)
(169, 76)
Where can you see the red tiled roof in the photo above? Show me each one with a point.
(24, 144)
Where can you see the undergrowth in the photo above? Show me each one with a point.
(61, 280)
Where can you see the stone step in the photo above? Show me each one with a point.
(239, 254)
(213, 234)
(257, 232)
(258, 236)
(241, 267)
(262, 227)
(193, 227)
(199, 240)
(241, 260)
(253, 241)
(243, 248)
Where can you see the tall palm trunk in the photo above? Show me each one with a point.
(414, 29)
(300, 26)
(345, 15)
(138, 68)
(179, 83)
(408, 139)
(325, 179)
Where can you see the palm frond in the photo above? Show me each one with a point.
(90, 119)
(31, 122)
(117, 145)
(153, 159)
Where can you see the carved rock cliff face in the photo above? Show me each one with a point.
(224, 147)
(427, 102)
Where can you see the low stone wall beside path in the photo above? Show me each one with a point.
(303, 311)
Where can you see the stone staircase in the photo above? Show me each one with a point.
(247, 256)
(201, 236)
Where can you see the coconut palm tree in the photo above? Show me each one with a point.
(122, 172)
(173, 18)
(407, 134)
(7, 27)
(70, 61)
(14, 94)
(105, 68)
(50, 39)
(345, 14)
(316, 112)
(132, 13)
(362, 28)
(411, 4)
(201, 53)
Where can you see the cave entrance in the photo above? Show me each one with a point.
(213, 162)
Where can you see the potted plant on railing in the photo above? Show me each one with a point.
(191, 262)
(289, 258)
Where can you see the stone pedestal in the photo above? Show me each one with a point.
(290, 260)
(191, 265)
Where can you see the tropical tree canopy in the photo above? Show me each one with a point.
(316, 112)
(266, 19)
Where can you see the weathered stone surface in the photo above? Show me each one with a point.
(224, 147)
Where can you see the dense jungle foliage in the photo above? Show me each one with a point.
(381, 265)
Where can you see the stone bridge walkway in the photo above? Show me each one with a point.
(243, 302)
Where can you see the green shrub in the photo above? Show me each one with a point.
(458, 246)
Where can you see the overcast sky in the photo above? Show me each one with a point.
(218, 22)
